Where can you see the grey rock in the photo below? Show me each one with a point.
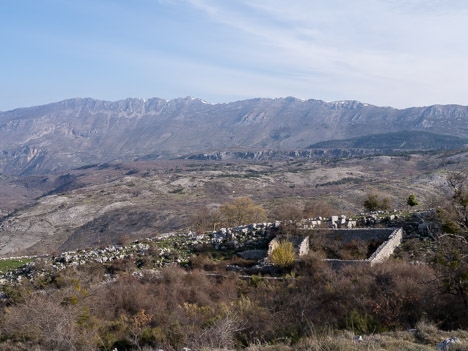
(445, 345)
(253, 254)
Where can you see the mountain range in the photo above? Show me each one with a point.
(78, 132)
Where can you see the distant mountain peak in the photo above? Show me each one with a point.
(80, 131)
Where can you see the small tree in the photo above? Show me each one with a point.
(458, 209)
(289, 215)
(283, 255)
(317, 208)
(412, 201)
(451, 260)
(204, 219)
(372, 202)
(242, 211)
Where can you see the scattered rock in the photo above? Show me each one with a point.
(445, 345)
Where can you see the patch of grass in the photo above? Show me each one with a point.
(348, 180)
(11, 264)
(250, 174)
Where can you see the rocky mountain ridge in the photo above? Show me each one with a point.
(76, 132)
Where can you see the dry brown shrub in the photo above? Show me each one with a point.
(313, 268)
(126, 265)
(124, 240)
(128, 296)
(153, 249)
(394, 294)
(218, 336)
(41, 320)
(287, 212)
(203, 261)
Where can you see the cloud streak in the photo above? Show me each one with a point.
(385, 52)
(360, 46)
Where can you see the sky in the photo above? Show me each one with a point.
(383, 52)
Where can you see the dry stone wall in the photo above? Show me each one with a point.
(392, 237)
(385, 250)
(347, 235)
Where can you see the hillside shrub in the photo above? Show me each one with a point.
(283, 255)
(374, 202)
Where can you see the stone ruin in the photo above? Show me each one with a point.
(341, 222)
(248, 242)
(300, 244)
(391, 238)
(333, 222)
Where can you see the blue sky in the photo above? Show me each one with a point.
(384, 52)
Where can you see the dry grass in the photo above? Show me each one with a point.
(343, 341)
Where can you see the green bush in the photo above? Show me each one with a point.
(283, 255)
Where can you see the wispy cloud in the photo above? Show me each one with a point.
(387, 46)
(386, 52)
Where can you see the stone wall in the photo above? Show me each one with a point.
(385, 250)
(347, 235)
(392, 239)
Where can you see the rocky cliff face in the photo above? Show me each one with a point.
(272, 155)
(76, 132)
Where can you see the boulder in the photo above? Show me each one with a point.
(445, 345)
(253, 254)
(234, 244)
(422, 227)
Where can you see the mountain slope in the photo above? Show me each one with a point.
(404, 140)
(77, 132)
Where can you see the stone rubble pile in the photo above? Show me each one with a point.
(341, 222)
(179, 247)
(171, 248)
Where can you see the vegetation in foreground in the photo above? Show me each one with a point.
(310, 306)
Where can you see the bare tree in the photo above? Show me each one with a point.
(315, 208)
(242, 211)
(451, 260)
(458, 206)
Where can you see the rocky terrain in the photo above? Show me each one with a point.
(77, 132)
(99, 204)
(247, 241)
(166, 249)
